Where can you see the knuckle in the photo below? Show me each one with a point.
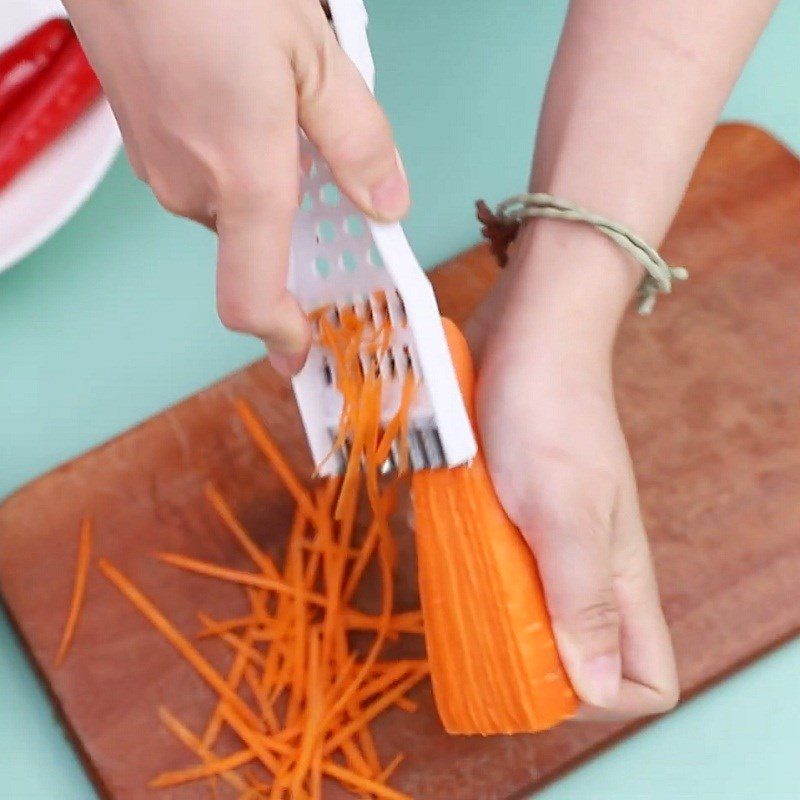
(363, 144)
(245, 185)
(599, 616)
(561, 517)
(668, 698)
(168, 197)
(314, 57)
(242, 315)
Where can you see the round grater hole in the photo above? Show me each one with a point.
(374, 257)
(306, 203)
(354, 225)
(348, 261)
(326, 231)
(322, 266)
(330, 195)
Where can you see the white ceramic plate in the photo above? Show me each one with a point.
(43, 197)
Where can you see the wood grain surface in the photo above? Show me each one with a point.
(709, 388)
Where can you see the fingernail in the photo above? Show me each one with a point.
(600, 680)
(389, 198)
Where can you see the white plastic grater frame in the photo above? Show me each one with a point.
(341, 258)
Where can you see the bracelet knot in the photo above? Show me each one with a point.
(501, 226)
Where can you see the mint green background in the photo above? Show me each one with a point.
(113, 319)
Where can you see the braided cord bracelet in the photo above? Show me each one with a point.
(502, 226)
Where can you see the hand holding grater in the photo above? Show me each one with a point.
(346, 262)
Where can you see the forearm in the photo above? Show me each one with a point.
(633, 95)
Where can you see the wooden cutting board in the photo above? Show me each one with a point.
(709, 388)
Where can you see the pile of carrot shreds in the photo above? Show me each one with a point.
(299, 696)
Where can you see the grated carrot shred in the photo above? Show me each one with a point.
(259, 557)
(78, 590)
(212, 765)
(268, 447)
(178, 641)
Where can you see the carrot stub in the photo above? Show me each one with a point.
(494, 664)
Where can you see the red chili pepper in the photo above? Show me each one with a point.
(49, 106)
(27, 58)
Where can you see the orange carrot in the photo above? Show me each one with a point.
(78, 590)
(494, 665)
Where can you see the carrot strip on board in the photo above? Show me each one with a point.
(387, 590)
(407, 705)
(263, 747)
(258, 604)
(78, 590)
(267, 711)
(404, 622)
(229, 626)
(214, 726)
(372, 711)
(259, 557)
(243, 647)
(305, 755)
(388, 504)
(281, 466)
(300, 653)
(235, 576)
(271, 678)
(385, 680)
(391, 767)
(355, 759)
(193, 743)
(209, 768)
(178, 641)
(316, 776)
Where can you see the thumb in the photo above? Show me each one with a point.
(339, 114)
(574, 558)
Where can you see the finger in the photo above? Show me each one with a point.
(339, 114)
(254, 225)
(650, 681)
(574, 558)
(251, 285)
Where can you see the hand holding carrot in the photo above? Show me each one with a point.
(633, 95)
(561, 467)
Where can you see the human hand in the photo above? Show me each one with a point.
(208, 97)
(561, 467)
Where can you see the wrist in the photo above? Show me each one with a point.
(569, 277)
